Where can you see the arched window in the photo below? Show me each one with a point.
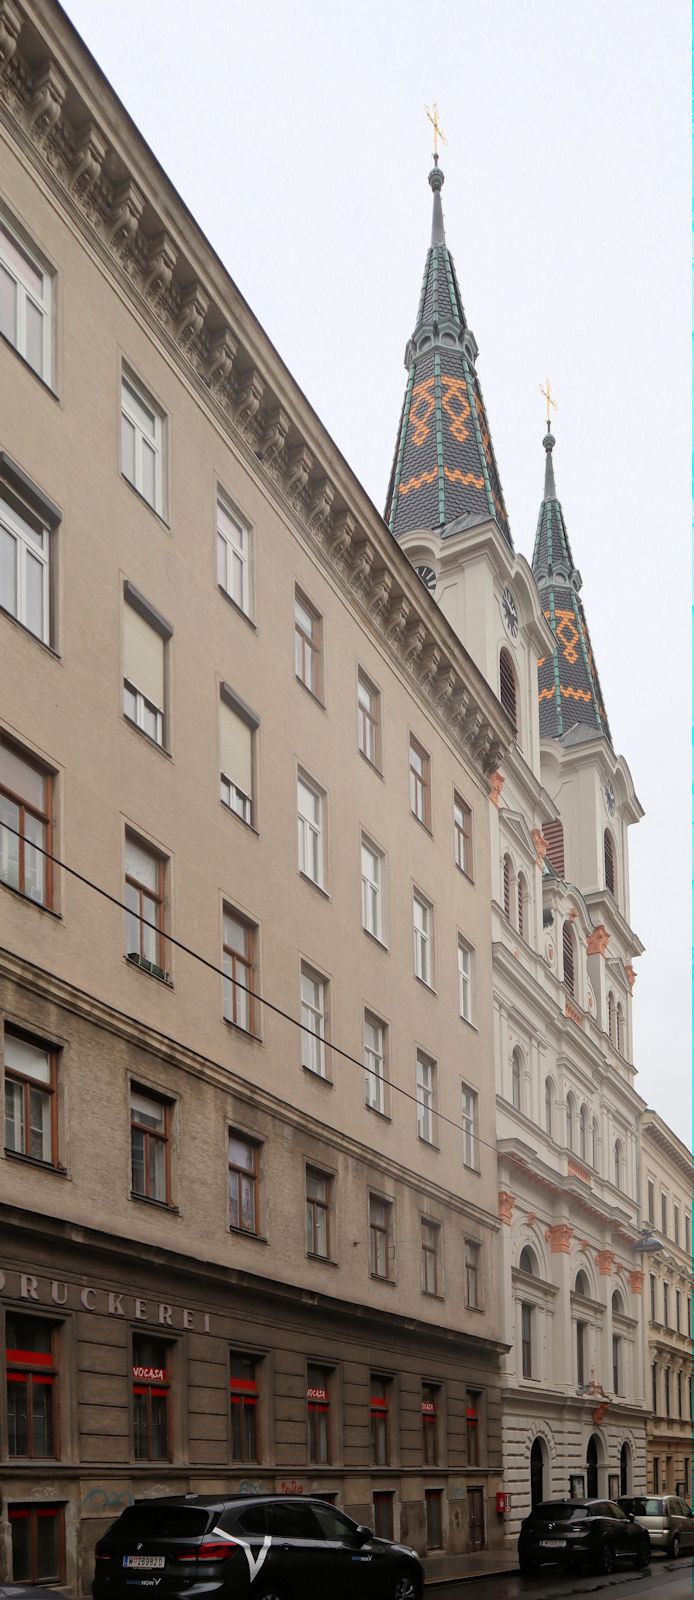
(549, 1108)
(537, 1474)
(610, 1014)
(568, 958)
(516, 1078)
(553, 834)
(625, 1469)
(620, 1028)
(507, 687)
(583, 1133)
(528, 1261)
(582, 1285)
(522, 904)
(507, 877)
(617, 1303)
(618, 1163)
(570, 1121)
(609, 862)
(596, 1144)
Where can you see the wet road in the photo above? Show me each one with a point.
(662, 1580)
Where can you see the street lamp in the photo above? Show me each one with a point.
(647, 1244)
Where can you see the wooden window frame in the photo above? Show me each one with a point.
(252, 1176)
(430, 1237)
(527, 1315)
(316, 1205)
(159, 1388)
(242, 971)
(308, 648)
(462, 835)
(379, 1232)
(472, 1435)
(430, 1424)
(244, 1393)
(473, 1275)
(30, 1367)
(369, 722)
(434, 1520)
(28, 1083)
(383, 1503)
(44, 817)
(156, 897)
(316, 1407)
(32, 1512)
(379, 1420)
(420, 784)
(152, 1135)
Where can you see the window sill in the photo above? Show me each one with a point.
(430, 1145)
(244, 1233)
(27, 900)
(372, 765)
(316, 698)
(424, 983)
(236, 607)
(375, 939)
(314, 884)
(478, 1309)
(232, 813)
(27, 365)
(35, 1161)
(466, 875)
(426, 826)
(428, 1295)
(469, 1023)
(384, 1115)
(326, 1261)
(30, 633)
(318, 1077)
(158, 1205)
(144, 502)
(390, 1283)
(147, 736)
(246, 1033)
(165, 982)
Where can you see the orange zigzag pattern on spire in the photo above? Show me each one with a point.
(546, 694)
(456, 476)
(416, 483)
(576, 694)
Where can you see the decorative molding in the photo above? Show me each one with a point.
(605, 1260)
(507, 1202)
(496, 784)
(559, 1236)
(598, 940)
(540, 844)
(572, 1012)
(632, 975)
(576, 1170)
(636, 1281)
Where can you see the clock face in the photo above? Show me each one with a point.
(610, 800)
(428, 577)
(509, 613)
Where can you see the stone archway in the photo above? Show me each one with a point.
(592, 1464)
(537, 1472)
(625, 1469)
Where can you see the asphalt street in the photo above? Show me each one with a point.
(662, 1580)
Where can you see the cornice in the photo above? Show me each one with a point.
(676, 1152)
(90, 155)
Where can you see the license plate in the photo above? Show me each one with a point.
(553, 1544)
(144, 1561)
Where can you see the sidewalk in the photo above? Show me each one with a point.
(459, 1569)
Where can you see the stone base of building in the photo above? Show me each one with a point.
(545, 1446)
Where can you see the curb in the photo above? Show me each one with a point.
(472, 1577)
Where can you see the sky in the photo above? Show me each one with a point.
(296, 134)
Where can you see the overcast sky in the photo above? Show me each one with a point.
(296, 134)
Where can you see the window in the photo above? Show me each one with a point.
(689, 1316)
(318, 1198)
(687, 1233)
(243, 1182)
(468, 1117)
(679, 1394)
(318, 1407)
(567, 940)
(30, 1099)
(233, 556)
(25, 808)
(431, 1244)
(430, 1424)
(616, 1364)
(549, 1107)
(374, 1063)
(310, 805)
(464, 980)
(25, 303)
(143, 672)
(372, 873)
(368, 720)
(307, 643)
(516, 1079)
(581, 1338)
(422, 914)
(243, 1398)
(570, 1121)
(527, 1262)
(507, 875)
(553, 834)
(38, 1543)
(462, 834)
(651, 1201)
(620, 1028)
(656, 1474)
(472, 1401)
(583, 1130)
(141, 443)
(426, 1097)
(678, 1308)
(663, 1213)
(237, 727)
(666, 1305)
(666, 1378)
(380, 1389)
(507, 687)
(652, 1284)
(596, 1145)
(144, 899)
(314, 991)
(610, 1014)
(654, 1388)
(609, 862)
(383, 1514)
(380, 1212)
(151, 1386)
(25, 566)
(149, 1146)
(473, 1275)
(433, 1499)
(526, 1340)
(676, 1222)
(238, 961)
(31, 1383)
(522, 905)
(420, 797)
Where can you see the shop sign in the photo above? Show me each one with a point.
(150, 1374)
(317, 1394)
(35, 1290)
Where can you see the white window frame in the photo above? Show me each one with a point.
(431, 1255)
(234, 557)
(238, 802)
(372, 890)
(469, 1102)
(465, 972)
(313, 1016)
(311, 832)
(368, 720)
(137, 713)
(423, 939)
(131, 389)
(307, 644)
(375, 1063)
(426, 1097)
(26, 293)
(27, 547)
(462, 839)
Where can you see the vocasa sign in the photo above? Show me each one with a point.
(106, 1302)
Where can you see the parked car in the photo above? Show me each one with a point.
(266, 1547)
(569, 1531)
(668, 1519)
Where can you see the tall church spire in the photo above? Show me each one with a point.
(569, 687)
(444, 466)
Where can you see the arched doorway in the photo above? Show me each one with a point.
(537, 1474)
(624, 1469)
(592, 1468)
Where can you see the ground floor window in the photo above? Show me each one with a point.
(151, 1387)
(383, 1514)
(243, 1393)
(472, 1428)
(318, 1407)
(434, 1500)
(37, 1544)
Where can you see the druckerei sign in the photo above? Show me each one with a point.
(35, 1290)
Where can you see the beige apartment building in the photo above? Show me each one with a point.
(666, 1183)
(248, 1198)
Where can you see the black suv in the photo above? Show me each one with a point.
(268, 1547)
(581, 1530)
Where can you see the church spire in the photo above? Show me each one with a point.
(444, 467)
(568, 683)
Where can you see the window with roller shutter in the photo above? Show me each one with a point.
(145, 637)
(553, 834)
(237, 727)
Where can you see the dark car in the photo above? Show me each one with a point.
(265, 1547)
(595, 1531)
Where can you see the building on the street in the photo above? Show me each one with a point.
(573, 1405)
(666, 1203)
(248, 1194)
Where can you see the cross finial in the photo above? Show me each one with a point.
(433, 115)
(551, 404)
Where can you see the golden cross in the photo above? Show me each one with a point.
(433, 115)
(547, 392)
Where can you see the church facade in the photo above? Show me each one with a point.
(573, 1404)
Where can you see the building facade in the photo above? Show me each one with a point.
(573, 1403)
(248, 1193)
(666, 1200)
